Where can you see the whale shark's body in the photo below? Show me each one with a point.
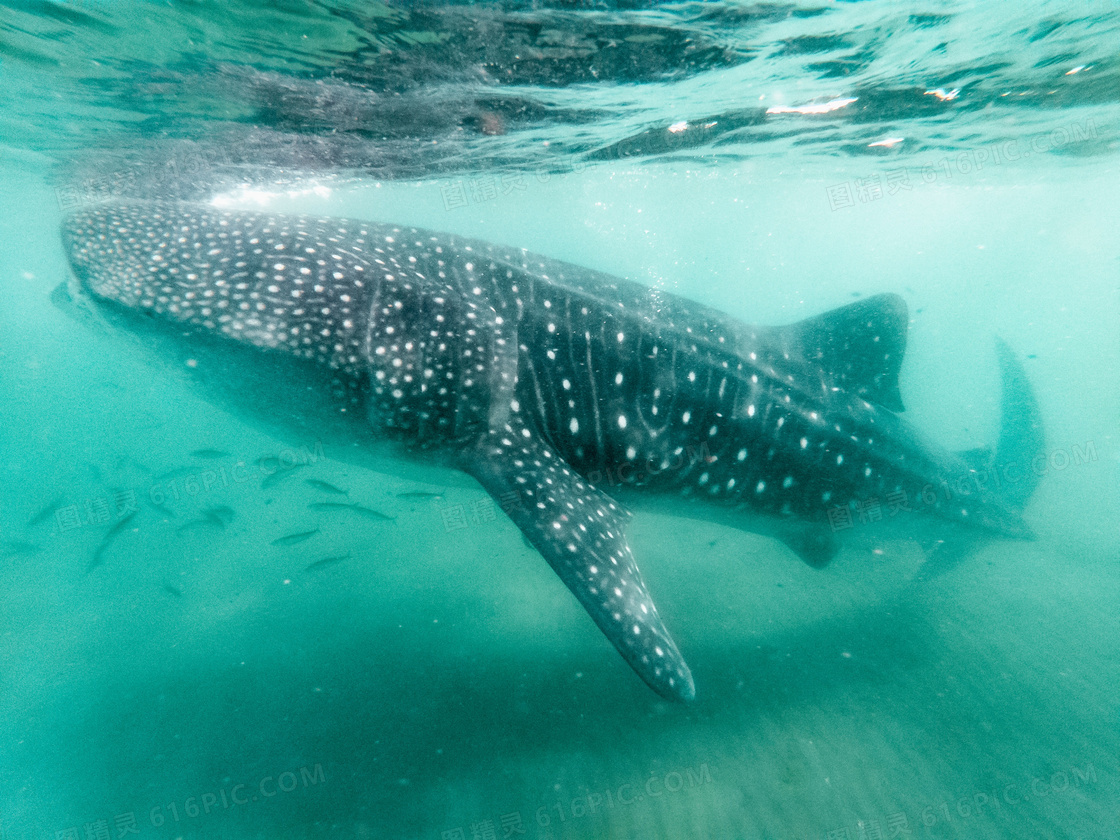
(538, 378)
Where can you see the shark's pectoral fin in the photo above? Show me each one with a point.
(942, 556)
(580, 532)
(860, 346)
(811, 543)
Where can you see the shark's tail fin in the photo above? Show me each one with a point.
(1020, 440)
(1021, 437)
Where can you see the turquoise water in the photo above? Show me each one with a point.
(438, 681)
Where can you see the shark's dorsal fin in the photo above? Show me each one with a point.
(860, 346)
(580, 531)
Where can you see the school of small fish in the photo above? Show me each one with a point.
(214, 518)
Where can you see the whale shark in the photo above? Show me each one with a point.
(568, 394)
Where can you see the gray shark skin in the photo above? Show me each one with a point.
(532, 375)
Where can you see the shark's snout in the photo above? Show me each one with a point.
(98, 256)
(75, 245)
(284, 283)
(76, 296)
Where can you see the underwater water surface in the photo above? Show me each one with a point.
(198, 639)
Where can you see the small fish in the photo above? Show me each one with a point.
(210, 454)
(178, 472)
(292, 539)
(280, 475)
(195, 524)
(351, 506)
(173, 590)
(16, 547)
(326, 487)
(219, 515)
(419, 494)
(326, 561)
(46, 513)
(107, 540)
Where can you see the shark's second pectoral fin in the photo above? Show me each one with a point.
(815, 546)
(581, 533)
(943, 556)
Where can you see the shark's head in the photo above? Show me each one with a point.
(271, 281)
(348, 296)
(200, 293)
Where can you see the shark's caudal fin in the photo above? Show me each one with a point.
(859, 346)
(1010, 468)
(581, 533)
(1021, 437)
